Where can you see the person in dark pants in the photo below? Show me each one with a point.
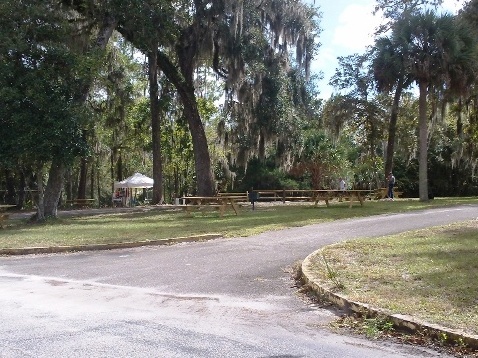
(391, 184)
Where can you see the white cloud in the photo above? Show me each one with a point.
(348, 30)
(355, 28)
(325, 63)
(453, 5)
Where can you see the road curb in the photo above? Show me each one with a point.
(94, 247)
(403, 322)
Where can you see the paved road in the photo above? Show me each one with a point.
(222, 298)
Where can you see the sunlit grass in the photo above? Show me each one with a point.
(431, 274)
(154, 225)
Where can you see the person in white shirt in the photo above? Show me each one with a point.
(341, 184)
(391, 184)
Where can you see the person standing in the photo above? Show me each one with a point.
(341, 188)
(341, 184)
(391, 184)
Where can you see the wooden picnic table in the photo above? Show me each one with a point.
(313, 195)
(220, 203)
(351, 194)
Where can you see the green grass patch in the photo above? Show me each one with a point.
(431, 274)
(156, 224)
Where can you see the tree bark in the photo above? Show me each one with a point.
(83, 178)
(392, 129)
(81, 194)
(459, 119)
(40, 194)
(185, 86)
(21, 190)
(155, 128)
(205, 181)
(92, 183)
(53, 188)
(423, 142)
(10, 197)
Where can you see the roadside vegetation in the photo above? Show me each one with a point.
(431, 274)
(428, 274)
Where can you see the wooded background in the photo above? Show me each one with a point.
(217, 95)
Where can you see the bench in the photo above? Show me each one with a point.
(268, 195)
(81, 202)
(3, 218)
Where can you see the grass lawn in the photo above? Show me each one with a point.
(158, 224)
(431, 274)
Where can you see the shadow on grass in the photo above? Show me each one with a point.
(449, 262)
(159, 224)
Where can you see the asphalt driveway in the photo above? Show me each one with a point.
(221, 298)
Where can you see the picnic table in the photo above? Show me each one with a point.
(313, 195)
(4, 217)
(351, 195)
(220, 203)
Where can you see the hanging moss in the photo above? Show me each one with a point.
(255, 51)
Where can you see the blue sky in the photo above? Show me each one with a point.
(348, 26)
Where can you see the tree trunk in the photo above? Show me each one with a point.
(54, 188)
(423, 143)
(21, 190)
(68, 185)
(185, 86)
(392, 129)
(55, 179)
(98, 188)
(83, 177)
(205, 180)
(92, 183)
(119, 166)
(155, 128)
(10, 197)
(112, 166)
(40, 216)
(81, 194)
(459, 119)
(202, 160)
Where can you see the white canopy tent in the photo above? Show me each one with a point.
(125, 190)
(137, 180)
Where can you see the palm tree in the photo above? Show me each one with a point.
(390, 75)
(430, 46)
